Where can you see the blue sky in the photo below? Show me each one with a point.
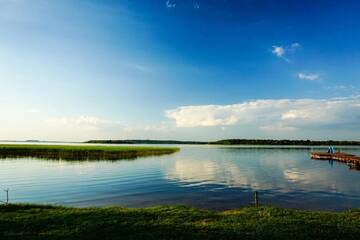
(203, 70)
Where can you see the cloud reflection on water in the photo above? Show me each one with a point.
(264, 170)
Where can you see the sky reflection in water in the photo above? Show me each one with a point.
(201, 176)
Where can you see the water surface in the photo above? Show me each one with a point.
(212, 177)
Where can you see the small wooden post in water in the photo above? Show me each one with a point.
(7, 195)
(256, 199)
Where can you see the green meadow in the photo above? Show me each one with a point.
(174, 222)
(82, 152)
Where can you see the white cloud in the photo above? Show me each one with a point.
(279, 51)
(170, 4)
(271, 114)
(310, 76)
(282, 51)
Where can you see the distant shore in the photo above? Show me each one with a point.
(234, 142)
(19, 221)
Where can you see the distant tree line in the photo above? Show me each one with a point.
(282, 142)
(146, 141)
(232, 142)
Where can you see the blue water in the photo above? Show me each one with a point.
(211, 177)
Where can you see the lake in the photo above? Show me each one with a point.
(211, 177)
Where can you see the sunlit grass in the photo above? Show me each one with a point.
(174, 222)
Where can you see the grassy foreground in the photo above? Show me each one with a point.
(176, 222)
(84, 152)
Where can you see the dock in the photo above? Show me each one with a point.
(351, 160)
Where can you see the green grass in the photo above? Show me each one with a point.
(81, 152)
(174, 222)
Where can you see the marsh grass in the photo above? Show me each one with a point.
(78, 152)
(174, 222)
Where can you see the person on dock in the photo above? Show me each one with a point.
(331, 150)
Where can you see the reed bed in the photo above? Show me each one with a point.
(81, 152)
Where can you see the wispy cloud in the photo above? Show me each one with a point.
(139, 68)
(170, 4)
(33, 110)
(196, 5)
(271, 114)
(341, 88)
(309, 76)
(282, 51)
(82, 121)
(294, 46)
(277, 127)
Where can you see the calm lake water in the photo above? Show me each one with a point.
(212, 177)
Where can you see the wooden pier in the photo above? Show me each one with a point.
(351, 160)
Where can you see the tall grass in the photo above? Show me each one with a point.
(84, 152)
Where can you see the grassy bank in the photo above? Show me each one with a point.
(84, 152)
(177, 222)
